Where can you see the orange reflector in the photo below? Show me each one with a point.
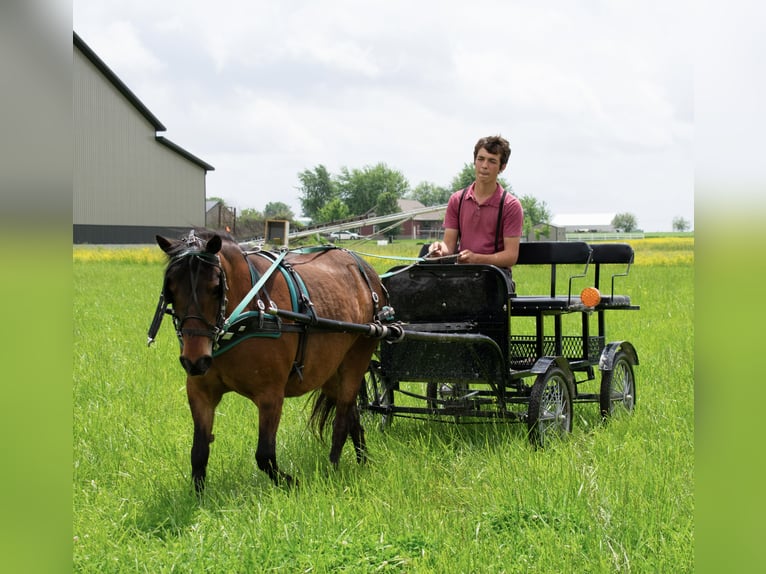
(590, 297)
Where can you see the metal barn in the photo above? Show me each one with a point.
(129, 182)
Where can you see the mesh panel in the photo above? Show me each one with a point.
(523, 349)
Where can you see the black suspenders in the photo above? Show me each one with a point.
(499, 218)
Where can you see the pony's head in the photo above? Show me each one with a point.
(195, 288)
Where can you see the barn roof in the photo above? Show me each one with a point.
(411, 204)
(121, 87)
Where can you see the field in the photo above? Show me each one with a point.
(433, 498)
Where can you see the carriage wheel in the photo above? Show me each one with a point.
(549, 415)
(375, 393)
(618, 386)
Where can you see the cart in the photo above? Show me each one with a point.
(473, 350)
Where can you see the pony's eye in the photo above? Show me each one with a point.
(217, 290)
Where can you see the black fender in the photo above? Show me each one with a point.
(606, 361)
(544, 364)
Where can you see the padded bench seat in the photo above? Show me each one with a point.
(528, 305)
(557, 253)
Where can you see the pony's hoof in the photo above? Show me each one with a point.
(285, 480)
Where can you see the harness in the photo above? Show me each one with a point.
(499, 218)
(264, 320)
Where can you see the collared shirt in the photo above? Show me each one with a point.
(478, 222)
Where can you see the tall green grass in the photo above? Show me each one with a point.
(433, 498)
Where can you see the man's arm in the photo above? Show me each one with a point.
(505, 258)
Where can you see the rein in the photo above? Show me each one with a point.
(242, 324)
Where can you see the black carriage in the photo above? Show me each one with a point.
(472, 349)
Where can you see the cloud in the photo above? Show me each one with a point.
(596, 98)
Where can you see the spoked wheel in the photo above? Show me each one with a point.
(618, 386)
(374, 393)
(549, 416)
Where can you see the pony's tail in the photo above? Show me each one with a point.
(324, 407)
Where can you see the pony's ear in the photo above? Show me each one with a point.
(165, 244)
(213, 245)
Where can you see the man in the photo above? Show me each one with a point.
(476, 227)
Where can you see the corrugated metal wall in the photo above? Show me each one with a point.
(122, 175)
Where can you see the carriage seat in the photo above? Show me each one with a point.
(611, 254)
(553, 254)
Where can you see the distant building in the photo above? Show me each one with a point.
(129, 183)
(545, 232)
(218, 216)
(426, 225)
(584, 222)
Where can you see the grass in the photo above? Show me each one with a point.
(433, 498)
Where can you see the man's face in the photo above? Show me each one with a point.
(487, 166)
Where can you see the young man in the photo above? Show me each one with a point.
(474, 227)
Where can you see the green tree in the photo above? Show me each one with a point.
(625, 222)
(332, 211)
(465, 178)
(278, 210)
(316, 190)
(387, 203)
(360, 189)
(468, 175)
(535, 212)
(680, 224)
(250, 223)
(429, 194)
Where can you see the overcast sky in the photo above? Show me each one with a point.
(595, 97)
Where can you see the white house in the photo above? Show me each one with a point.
(584, 222)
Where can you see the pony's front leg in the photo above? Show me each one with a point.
(269, 415)
(202, 405)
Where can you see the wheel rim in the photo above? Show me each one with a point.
(555, 410)
(622, 391)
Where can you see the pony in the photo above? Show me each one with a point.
(228, 307)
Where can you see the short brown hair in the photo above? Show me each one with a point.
(494, 144)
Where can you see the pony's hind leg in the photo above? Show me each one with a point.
(347, 423)
(202, 403)
(357, 435)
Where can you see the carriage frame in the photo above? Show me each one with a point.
(461, 359)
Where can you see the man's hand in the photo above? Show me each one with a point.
(438, 249)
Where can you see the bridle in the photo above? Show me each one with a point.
(213, 331)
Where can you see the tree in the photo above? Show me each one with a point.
(332, 211)
(278, 210)
(430, 194)
(465, 178)
(680, 224)
(316, 190)
(360, 189)
(250, 223)
(625, 222)
(535, 212)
